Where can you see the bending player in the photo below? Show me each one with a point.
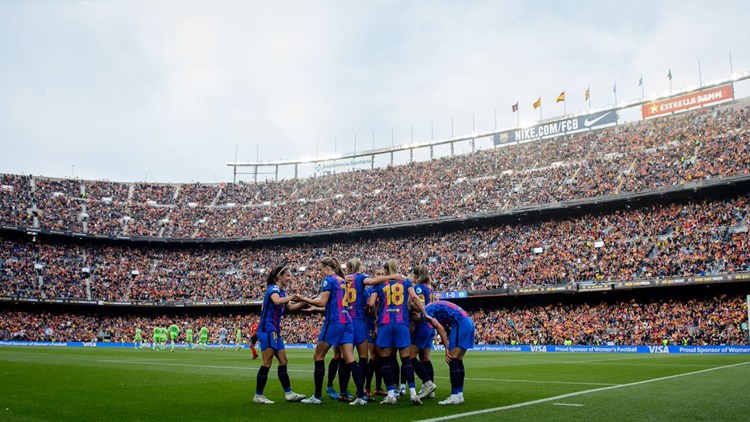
(461, 339)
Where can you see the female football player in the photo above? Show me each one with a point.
(275, 303)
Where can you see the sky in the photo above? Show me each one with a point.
(169, 90)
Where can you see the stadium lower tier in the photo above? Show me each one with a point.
(708, 237)
(713, 320)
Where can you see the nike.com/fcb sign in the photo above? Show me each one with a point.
(687, 101)
(560, 127)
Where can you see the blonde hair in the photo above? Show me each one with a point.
(421, 274)
(391, 267)
(354, 265)
(333, 263)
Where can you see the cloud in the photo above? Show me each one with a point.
(117, 87)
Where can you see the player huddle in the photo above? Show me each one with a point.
(382, 316)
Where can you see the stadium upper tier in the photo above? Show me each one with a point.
(700, 145)
(664, 240)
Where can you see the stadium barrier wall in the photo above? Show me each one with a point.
(689, 350)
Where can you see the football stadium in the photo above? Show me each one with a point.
(593, 262)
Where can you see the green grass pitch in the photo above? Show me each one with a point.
(81, 384)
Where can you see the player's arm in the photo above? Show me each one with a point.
(372, 281)
(278, 300)
(314, 309)
(372, 302)
(443, 337)
(414, 298)
(295, 304)
(319, 300)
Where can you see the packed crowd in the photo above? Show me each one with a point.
(658, 241)
(706, 321)
(632, 157)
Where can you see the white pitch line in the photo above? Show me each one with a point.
(535, 381)
(578, 393)
(568, 404)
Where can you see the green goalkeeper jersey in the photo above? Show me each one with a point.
(189, 334)
(174, 329)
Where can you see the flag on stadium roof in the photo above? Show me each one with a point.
(514, 107)
(588, 94)
(538, 103)
(560, 97)
(640, 81)
(669, 75)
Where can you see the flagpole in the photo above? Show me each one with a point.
(615, 91)
(565, 106)
(643, 94)
(670, 81)
(700, 77)
(518, 115)
(731, 78)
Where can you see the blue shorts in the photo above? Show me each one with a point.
(462, 335)
(423, 335)
(272, 340)
(393, 335)
(336, 334)
(371, 332)
(360, 331)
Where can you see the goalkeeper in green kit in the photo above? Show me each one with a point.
(174, 331)
(238, 339)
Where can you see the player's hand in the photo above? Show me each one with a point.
(399, 277)
(447, 357)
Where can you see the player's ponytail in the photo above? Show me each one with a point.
(353, 266)
(333, 264)
(421, 274)
(391, 267)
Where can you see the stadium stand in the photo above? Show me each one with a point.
(706, 321)
(701, 145)
(706, 236)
